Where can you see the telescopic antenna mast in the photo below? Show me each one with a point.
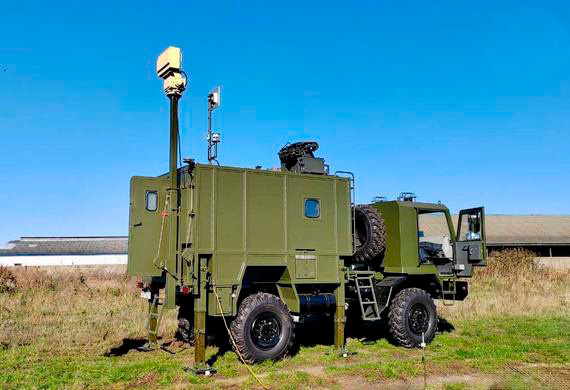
(214, 102)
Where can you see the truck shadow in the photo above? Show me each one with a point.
(125, 347)
(321, 332)
(444, 326)
(313, 332)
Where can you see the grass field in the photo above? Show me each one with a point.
(79, 327)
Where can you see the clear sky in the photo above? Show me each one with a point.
(460, 101)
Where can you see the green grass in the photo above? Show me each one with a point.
(54, 334)
(488, 345)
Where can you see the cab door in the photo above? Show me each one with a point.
(469, 247)
(146, 221)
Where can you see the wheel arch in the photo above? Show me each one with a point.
(273, 279)
(430, 283)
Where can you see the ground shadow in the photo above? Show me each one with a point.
(315, 330)
(320, 331)
(126, 346)
(444, 326)
(368, 332)
(222, 349)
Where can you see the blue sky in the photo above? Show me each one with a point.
(460, 101)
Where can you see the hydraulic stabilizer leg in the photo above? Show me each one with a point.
(200, 305)
(339, 316)
(339, 320)
(154, 314)
(200, 365)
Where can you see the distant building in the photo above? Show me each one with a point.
(545, 235)
(47, 251)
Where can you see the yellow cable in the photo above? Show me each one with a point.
(234, 342)
(163, 215)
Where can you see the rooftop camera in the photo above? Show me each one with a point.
(169, 68)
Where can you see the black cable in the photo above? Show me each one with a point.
(179, 146)
(179, 150)
(185, 76)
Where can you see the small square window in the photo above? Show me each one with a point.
(312, 208)
(151, 200)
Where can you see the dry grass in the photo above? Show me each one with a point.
(7, 280)
(513, 284)
(57, 323)
(68, 310)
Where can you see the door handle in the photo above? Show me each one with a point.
(137, 224)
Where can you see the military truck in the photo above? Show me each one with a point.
(266, 249)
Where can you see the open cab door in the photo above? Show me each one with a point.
(470, 242)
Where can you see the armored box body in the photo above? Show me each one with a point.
(247, 226)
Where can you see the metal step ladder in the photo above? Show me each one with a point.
(154, 318)
(367, 298)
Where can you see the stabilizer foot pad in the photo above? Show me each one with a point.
(147, 348)
(342, 353)
(206, 371)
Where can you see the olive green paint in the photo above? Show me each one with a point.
(144, 257)
(236, 218)
(236, 227)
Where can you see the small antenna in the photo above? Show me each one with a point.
(214, 102)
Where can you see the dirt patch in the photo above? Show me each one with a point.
(147, 380)
(356, 382)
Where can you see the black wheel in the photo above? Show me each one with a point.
(263, 328)
(412, 313)
(185, 331)
(370, 234)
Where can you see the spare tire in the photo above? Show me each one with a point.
(369, 235)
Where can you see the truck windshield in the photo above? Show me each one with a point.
(433, 236)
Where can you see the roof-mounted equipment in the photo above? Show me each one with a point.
(300, 157)
(407, 197)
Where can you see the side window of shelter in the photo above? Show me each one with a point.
(151, 200)
(434, 240)
(312, 208)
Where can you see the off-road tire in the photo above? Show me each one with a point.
(370, 233)
(259, 312)
(403, 323)
(185, 331)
